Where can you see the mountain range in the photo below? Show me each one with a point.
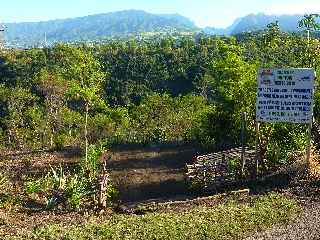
(130, 22)
(254, 22)
(94, 27)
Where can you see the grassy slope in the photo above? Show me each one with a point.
(226, 221)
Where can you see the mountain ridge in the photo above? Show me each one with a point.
(94, 27)
(130, 22)
(259, 21)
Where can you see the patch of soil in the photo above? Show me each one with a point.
(17, 222)
(148, 178)
(37, 163)
(144, 174)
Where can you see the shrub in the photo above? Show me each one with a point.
(74, 190)
(59, 141)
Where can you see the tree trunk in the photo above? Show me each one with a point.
(51, 122)
(86, 131)
(9, 138)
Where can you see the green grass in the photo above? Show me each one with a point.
(226, 221)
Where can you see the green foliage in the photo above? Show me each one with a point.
(73, 189)
(172, 90)
(34, 186)
(91, 165)
(309, 22)
(234, 166)
(161, 118)
(58, 187)
(59, 141)
(226, 221)
(285, 139)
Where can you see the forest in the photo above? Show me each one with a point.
(135, 92)
(144, 93)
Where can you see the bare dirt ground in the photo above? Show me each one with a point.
(143, 175)
(146, 174)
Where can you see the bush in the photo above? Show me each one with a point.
(59, 141)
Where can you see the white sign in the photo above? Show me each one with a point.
(285, 95)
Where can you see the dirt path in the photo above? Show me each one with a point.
(306, 226)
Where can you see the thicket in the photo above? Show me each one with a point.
(183, 91)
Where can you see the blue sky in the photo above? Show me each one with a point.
(218, 13)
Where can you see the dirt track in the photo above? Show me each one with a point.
(306, 226)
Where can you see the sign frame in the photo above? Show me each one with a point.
(287, 79)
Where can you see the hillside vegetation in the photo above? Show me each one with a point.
(144, 92)
(66, 109)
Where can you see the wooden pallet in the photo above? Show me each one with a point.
(212, 170)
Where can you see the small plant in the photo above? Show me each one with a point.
(234, 167)
(50, 203)
(112, 193)
(78, 190)
(34, 186)
(75, 190)
(5, 199)
(3, 182)
(59, 178)
(90, 165)
(59, 142)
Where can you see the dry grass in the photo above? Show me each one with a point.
(314, 168)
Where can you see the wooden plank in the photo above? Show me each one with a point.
(212, 169)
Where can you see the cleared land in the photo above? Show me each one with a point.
(148, 179)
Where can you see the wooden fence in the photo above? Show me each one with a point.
(216, 169)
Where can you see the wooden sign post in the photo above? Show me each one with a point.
(309, 145)
(243, 141)
(257, 128)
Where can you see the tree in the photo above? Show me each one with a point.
(53, 87)
(21, 119)
(309, 23)
(86, 79)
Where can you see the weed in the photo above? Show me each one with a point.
(33, 186)
(76, 189)
(3, 182)
(226, 221)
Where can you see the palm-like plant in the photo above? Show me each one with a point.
(309, 23)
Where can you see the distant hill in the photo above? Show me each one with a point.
(254, 22)
(128, 23)
(95, 27)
